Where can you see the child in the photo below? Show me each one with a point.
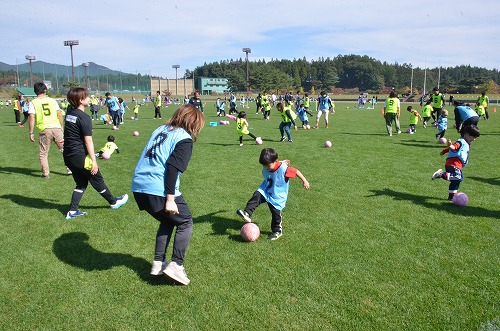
(458, 156)
(136, 111)
(273, 190)
(123, 108)
(242, 127)
(288, 119)
(480, 110)
(221, 109)
(217, 107)
(442, 124)
(426, 113)
(105, 118)
(302, 113)
(414, 116)
(108, 148)
(156, 185)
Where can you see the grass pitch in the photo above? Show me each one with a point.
(373, 245)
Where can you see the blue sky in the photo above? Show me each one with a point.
(150, 36)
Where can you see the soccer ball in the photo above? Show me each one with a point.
(132, 118)
(408, 130)
(105, 156)
(136, 133)
(460, 199)
(442, 140)
(328, 144)
(308, 127)
(258, 141)
(250, 232)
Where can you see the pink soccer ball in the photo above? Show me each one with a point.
(328, 144)
(105, 155)
(136, 133)
(308, 127)
(460, 199)
(258, 141)
(442, 140)
(250, 232)
(408, 130)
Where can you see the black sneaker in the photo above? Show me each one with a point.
(275, 235)
(282, 139)
(244, 215)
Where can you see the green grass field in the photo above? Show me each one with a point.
(373, 245)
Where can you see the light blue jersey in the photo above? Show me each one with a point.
(442, 123)
(301, 113)
(149, 174)
(462, 153)
(274, 188)
(112, 104)
(324, 102)
(466, 112)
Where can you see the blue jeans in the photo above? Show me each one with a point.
(285, 127)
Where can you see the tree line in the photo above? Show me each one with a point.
(348, 74)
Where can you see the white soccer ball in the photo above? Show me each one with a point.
(258, 141)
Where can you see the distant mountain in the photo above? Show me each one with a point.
(41, 67)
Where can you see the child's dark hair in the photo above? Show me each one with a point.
(302, 105)
(242, 114)
(120, 100)
(409, 108)
(268, 156)
(472, 130)
(111, 138)
(107, 94)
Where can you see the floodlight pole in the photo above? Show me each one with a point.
(30, 58)
(176, 66)
(86, 66)
(247, 50)
(72, 43)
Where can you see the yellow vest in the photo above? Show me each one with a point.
(437, 100)
(392, 105)
(46, 110)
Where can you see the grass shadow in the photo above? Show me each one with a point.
(423, 144)
(39, 203)
(74, 249)
(427, 202)
(27, 171)
(220, 225)
(491, 181)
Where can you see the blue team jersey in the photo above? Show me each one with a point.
(112, 104)
(275, 186)
(466, 112)
(442, 123)
(301, 113)
(324, 102)
(462, 153)
(149, 174)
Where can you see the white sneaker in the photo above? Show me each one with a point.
(120, 201)
(177, 273)
(437, 174)
(157, 267)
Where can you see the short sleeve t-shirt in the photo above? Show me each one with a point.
(76, 126)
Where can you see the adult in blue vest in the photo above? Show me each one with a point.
(464, 116)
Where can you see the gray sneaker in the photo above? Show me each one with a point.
(244, 215)
(177, 273)
(438, 174)
(275, 235)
